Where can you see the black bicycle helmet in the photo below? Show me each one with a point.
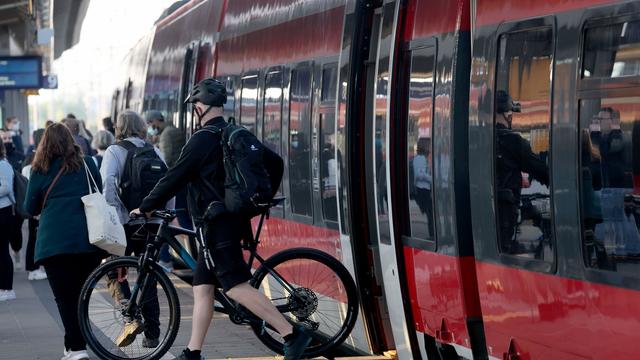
(210, 92)
(504, 103)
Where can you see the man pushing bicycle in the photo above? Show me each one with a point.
(201, 168)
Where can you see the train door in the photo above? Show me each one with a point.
(377, 158)
(354, 147)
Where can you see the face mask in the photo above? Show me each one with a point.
(151, 131)
(15, 126)
(294, 144)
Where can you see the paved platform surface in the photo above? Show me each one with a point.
(30, 327)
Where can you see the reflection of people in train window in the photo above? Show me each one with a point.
(299, 174)
(610, 142)
(513, 156)
(422, 180)
(595, 253)
(329, 171)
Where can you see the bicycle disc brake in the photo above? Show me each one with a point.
(303, 303)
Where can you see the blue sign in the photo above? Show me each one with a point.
(20, 72)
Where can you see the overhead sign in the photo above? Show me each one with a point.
(20, 72)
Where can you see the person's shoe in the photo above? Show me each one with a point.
(37, 274)
(188, 355)
(75, 355)
(7, 295)
(297, 343)
(150, 343)
(129, 333)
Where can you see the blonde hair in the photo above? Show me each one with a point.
(130, 124)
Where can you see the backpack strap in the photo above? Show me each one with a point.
(127, 145)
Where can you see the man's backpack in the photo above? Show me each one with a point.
(20, 192)
(253, 172)
(143, 168)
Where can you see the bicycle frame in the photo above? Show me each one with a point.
(166, 234)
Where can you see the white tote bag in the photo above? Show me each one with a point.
(105, 230)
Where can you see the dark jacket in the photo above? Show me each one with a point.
(63, 225)
(200, 166)
(15, 152)
(514, 157)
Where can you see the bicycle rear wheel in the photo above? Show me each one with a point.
(102, 318)
(323, 297)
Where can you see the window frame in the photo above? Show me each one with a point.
(592, 273)
(506, 28)
(323, 108)
(246, 76)
(277, 211)
(302, 218)
(598, 83)
(403, 91)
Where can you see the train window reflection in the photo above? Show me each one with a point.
(328, 166)
(420, 159)
(610, 168)
(272, 128)
(329, 82)
(272, 121)
(522, 144)
(299, 142)
(248, 103)
(612, 51)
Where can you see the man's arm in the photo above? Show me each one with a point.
(178, 176)
(532, 164)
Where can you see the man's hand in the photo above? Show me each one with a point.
(137, 212)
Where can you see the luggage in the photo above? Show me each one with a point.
(20, 192)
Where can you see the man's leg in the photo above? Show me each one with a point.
(202, 315)
(258, 304)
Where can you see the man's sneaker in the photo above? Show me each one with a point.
(297, 344)
(75, 355)
(129, 333)
(187, 355)
(150, 343)
(7, 295)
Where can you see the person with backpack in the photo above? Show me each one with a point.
(203, 168)
(130, 169)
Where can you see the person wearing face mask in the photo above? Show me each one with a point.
(200, 167)
(13, 142)
(513, 157)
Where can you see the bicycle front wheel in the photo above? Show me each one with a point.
(318, 292)
(147, 330)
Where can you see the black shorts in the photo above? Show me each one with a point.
(223, 236)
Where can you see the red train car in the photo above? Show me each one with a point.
(385, 114)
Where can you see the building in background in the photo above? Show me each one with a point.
(43, 28)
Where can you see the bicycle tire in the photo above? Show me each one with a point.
(352, 304)
(162, 279)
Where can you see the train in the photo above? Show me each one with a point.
(385, 114)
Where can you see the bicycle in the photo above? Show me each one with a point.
(325, 301)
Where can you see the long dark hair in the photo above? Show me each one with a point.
(57, 142)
